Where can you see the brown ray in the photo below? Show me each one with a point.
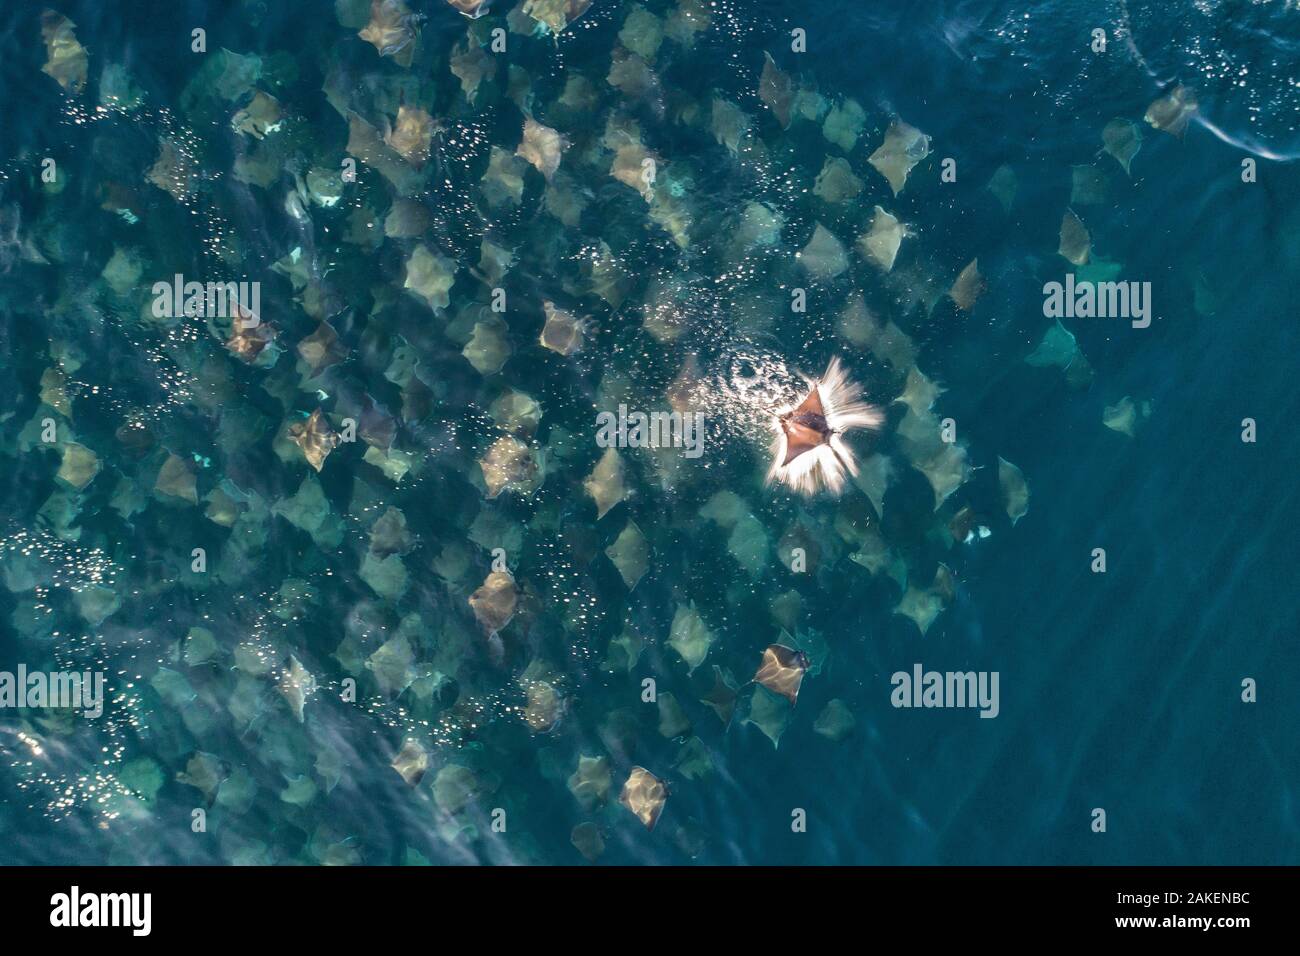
(782, 671)
(805, 427)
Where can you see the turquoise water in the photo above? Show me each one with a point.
(1119, 690)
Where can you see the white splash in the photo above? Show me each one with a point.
(827, 465)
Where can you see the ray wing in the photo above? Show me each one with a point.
(799, 439)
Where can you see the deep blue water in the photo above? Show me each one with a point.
(1120, 691)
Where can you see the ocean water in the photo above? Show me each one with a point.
(254, 708)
